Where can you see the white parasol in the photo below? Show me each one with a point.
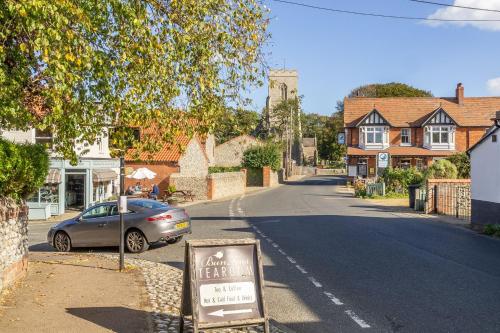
(142, 173)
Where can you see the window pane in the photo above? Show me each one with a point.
(49, 193)
(444, 137)
(378, 138)
(444, 129)
(100, 211)
(435, 137)
(369, 137)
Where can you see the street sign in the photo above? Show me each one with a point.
(222, 284)
(122, 204)
(383, 160)
(341, 138)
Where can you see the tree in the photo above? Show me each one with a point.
(268, 154)
(76, 66)
(462, 162)
(235, 122)
(281, 115)
(393, 89)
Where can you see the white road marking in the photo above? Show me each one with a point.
(315, 282)
(301, 269)
(274, 245)
(282, 252)
(334, 299)
(356, 319)
(269, 240)
(290, 259)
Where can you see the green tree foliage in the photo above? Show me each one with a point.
(393, 89)
(235, 122)
(75, 66)
(269, 154)
(462, 162)
(285, 111)
(397, 180)
(442, 169)
(23, 168)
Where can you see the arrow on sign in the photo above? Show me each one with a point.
(222, 312)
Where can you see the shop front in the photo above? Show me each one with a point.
(75, 187)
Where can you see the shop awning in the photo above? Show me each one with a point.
(53, 177)
(103, 175)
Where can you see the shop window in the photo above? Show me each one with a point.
(419, 163)
(48, 193)
(405, 163)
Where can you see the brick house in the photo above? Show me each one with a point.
(413, 131)
(186, 157)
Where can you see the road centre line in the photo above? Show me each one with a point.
(356, 319)
(334, 299)
(290, 259)
(316, 283)
(301, 269)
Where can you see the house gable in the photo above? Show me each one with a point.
(439, 117)
(373, 118)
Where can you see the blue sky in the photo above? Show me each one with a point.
(335, 53)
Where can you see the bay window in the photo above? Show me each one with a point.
(373, 137)
(439, 137)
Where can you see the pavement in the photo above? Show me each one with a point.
(334, 263)
(75, 293)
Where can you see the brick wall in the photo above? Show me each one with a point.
(162, 170)
(452, 198)
(14, 242)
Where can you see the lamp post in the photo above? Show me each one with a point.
(122, 201)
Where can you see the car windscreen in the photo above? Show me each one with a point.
(149, 204)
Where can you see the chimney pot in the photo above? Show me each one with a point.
(460, 94)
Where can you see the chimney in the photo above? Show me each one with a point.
(460, 94)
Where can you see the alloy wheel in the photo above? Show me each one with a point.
(62, 243)
(135, 241)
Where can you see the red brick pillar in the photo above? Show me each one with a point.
(210, 188)
(266, 176)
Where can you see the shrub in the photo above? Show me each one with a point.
(492, 229)
(397, 180)
(220, 169)
(462, 162)
(268, 154)
(23, 168)
(359, 188)
(442, 169)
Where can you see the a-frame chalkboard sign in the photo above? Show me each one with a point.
(223, 284)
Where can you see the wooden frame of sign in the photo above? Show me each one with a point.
(223, 284)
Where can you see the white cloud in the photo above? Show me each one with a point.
(493, 86)
(453, 13)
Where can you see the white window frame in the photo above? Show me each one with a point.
(429, 132)
(47, 138)
(374, 130)
(408, 130)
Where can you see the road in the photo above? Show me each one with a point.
(334, 263)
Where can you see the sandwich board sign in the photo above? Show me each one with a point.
(223, 285)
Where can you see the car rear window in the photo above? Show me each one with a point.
(148, 204)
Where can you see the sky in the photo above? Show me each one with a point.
(335, 53)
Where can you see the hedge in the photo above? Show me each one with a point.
(397, 179)
(268, 154)
(23, 168)
(221, 169)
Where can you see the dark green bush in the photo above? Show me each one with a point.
(462, 162)
(23, 168)
(397, 179)
(219, 169)
(492, 230)
(268, 154)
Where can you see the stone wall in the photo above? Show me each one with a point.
(270, 178)
(453, 197)
(198, 185)
(13, 241)
(226, 184)
(330, 172)
(230, 153)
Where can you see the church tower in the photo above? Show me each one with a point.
(283, 85)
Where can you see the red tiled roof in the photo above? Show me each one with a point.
(413, 111)
(399, 151)
(170, 152)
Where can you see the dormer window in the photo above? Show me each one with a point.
(374, 137)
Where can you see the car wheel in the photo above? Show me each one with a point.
(62, 242)
(136, 242)
(174, 240)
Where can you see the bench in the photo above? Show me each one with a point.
(185, 194)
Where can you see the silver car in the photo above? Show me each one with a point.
(146, 222)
